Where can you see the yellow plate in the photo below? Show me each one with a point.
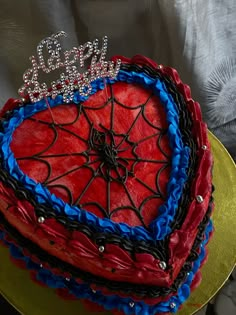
(31, 299)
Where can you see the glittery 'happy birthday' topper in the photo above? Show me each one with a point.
(72, 61)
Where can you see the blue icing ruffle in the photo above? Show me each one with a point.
(113, 302)
(160, 227)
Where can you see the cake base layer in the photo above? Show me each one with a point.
(68, 288)
(149, 294)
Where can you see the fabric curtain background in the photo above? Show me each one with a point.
(197, 37)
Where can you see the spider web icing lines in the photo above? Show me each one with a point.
(112, 149)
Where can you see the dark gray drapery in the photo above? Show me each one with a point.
(197, 37)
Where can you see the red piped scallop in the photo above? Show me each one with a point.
(10, 105)
(64, 293)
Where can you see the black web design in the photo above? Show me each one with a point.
(106, 148)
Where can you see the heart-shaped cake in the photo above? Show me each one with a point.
(108, 196)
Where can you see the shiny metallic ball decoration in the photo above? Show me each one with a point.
(131, 304)
(101, 249)
(162, 265)
(204, 147)
(172, 305)
(41, 220)
(199, 199)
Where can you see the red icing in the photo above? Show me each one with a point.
(36, 137)
(64, 293)
(92, 307)
(10, 104)
(80, 251)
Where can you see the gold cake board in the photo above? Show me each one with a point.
(31, 299)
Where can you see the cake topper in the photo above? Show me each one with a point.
(74, 77)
